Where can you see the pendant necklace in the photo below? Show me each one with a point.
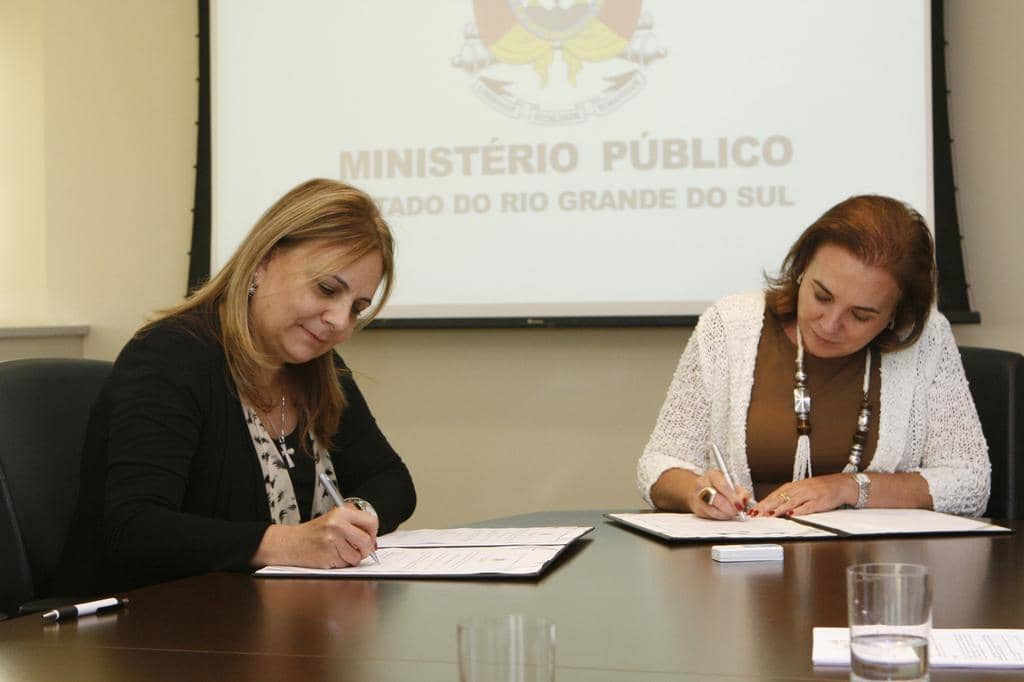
(282, 445)
(802, 408)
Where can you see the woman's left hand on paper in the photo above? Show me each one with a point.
(816, 494)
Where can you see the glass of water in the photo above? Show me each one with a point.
(508, 648)
(890, 609)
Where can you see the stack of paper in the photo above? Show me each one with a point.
(454, 552)
(947, 648)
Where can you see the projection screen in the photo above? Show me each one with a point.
(574, 158)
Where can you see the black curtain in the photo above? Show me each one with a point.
(199, 253)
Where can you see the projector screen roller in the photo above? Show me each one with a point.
(573, 158)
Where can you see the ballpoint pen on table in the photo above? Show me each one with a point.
(725, 472)
(73, 611)
(339, 502)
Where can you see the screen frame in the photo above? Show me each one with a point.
(953, 289)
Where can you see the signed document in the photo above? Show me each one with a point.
(832, 524)
(898, 522)
(694, 528)
(483, 537)
(435, 562)
(453, 552)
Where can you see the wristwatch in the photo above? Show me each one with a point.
(863, 489)
(361, 504)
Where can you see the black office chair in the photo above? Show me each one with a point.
(997, 384)
(44, 409)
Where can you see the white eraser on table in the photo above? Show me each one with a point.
(746, 552)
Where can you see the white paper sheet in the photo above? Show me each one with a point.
(898, 521)
(947, 648)
(436, 562)
(483, 537)
(691, 527)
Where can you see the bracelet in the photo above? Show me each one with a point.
(863, 489)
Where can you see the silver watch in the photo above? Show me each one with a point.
(361, 504)
(863, 489)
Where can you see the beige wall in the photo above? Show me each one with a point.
(120, 147)
(22, 207)
(98, 133)
(985, 67)
(491, 422)
(498, 422)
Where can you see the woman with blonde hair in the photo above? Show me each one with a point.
(838, 385)
(209, 444)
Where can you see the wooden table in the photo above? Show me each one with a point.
(626, 607)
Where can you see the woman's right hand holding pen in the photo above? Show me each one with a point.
(344, 536)
(682, 490)
(713, 498)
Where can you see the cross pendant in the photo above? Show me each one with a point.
(286, 454)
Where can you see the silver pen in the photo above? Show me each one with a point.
(725, 472)
(339, 502)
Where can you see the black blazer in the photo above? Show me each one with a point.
(170, 482)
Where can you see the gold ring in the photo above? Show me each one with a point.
(785, 498)
(707, 495)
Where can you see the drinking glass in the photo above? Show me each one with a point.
(508, 648)
(890, 609)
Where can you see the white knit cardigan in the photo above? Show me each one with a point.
(928, 422)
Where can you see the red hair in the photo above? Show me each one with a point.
(881, 232)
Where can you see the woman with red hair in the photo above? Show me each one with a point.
(848, 329)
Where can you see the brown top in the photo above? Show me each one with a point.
(835, 386)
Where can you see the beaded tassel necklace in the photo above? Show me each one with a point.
(802, 408)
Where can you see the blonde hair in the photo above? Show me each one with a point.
(325, 211)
